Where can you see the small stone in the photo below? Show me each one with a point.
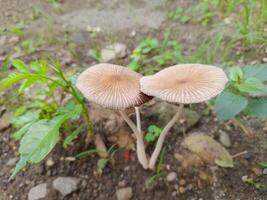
(225, 139)
(124, 193)
(264, 171)
(264, 59)
(182, 190)
(182, 182)
(257, 171)
(38, 192)
(122, 183)
(12, 162)
(49, 162)
(244, 178)
(65, 185)
(171, 176)
(5, 120)
(117, 50)
(13, 40)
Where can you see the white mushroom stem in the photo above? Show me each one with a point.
(138, 119)
(140, 147)
(162, 137)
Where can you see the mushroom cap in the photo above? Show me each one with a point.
(111, 86)
(185, 83)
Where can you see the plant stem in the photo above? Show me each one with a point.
(162, 137)
(140, 147)
(138, 119)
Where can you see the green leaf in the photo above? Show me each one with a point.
(12, 78)
(20, 110)
(39, 67)
(257, 108)
(68, 140)
(26, 84)
(134, 64)
(262, 164)
(153, 133)
(228, 105)
(39, 140)
(20, 65)
(72, 109)
(258, 71)
(19, 134)
(29, 116)
(236, 74)
(253, 86)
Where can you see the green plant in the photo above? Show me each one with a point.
(39, 123)
(153, 133)
(151, 55)
(245, 93)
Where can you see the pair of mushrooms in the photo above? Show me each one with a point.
(116, 87)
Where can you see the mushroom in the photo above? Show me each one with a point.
(183, 84)
(116, 87)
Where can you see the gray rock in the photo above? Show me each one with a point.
(171, 176)
(225, 139)
(124, 193)
(164, 112)
(117, 50)
(66, 185)
(264, 171)
(38, 192)
(12, 162)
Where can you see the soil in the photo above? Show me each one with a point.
(194, 182)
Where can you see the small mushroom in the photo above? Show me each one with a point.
(184, 84)
(116, 87)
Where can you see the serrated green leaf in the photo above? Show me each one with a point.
(257, 108)
(236, 74)
(20, 65)
(258, 71)
(12, 78)
(39, 140)
(228, 105)
(253, 86)
(26, 84)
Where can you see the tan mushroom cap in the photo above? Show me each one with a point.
(185, 83)
(111, 86)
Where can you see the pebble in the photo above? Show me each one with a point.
(122, 183)
(264, 59)
(225, 139)
(257, 171)
(182, 182)
(117, 50)
(12, 162)
(65, 185)
(124, 193)
(182, 190)
(171, 176)
(49, 162)
(264, 171)
(38, 192)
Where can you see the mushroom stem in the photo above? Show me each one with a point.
(162, 137)
(140, 147)
(138, 119)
